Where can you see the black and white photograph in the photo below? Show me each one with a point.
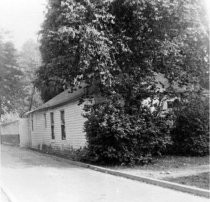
(104, 100)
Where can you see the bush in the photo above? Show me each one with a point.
(115, 137)
(190, 135)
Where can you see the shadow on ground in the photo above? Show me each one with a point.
(16, 157)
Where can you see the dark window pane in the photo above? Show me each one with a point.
(170, 104)
(63, 132)
(45, 120)
(173, 104)
(62, 117)
(32, 122)
(52, 132)
(52, 117)
(52, 125)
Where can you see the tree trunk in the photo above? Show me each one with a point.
(31, 98)
(1, 110)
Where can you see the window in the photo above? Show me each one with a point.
(52, 125)
(173, 104)
(170, 104)
(32, 122)
(63, 132)
(45, 120)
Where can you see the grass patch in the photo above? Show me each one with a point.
(201, 180)
(170, 167)
(170, 163)
(176, 162)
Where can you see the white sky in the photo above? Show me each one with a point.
(23, 18)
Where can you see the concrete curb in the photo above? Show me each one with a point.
(161, 183)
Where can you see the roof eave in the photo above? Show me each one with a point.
(53, 106)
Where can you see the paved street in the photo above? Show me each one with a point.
(3, 197)
(31, 177)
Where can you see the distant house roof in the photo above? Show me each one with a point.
(61, 99)
(8, 123)
(206, 92)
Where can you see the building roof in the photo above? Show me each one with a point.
(61, 99)
(8, 123)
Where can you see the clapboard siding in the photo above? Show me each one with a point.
(74, 125)
(38, 131)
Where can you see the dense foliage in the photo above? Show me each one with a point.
(116, 137)
(118, 47)
(191, 133)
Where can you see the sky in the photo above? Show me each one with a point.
(23, 18)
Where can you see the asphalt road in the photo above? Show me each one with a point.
(4, 197)
(29, 176)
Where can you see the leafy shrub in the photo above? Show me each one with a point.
(116, 137)
(77, 154)
(190, 135)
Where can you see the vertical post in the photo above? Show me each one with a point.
(1, 111)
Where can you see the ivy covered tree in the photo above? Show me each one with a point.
(118, 47)
(114, 41)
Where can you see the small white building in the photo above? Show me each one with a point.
(9, 133)
(59, 123)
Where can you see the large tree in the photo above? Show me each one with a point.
(107, 42)
(11, 85)
(118, 47)
(29, 60)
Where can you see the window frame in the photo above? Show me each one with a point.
(45, 120)
(63, 126)
(32, 122)
(170, 104)
(52, 124)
